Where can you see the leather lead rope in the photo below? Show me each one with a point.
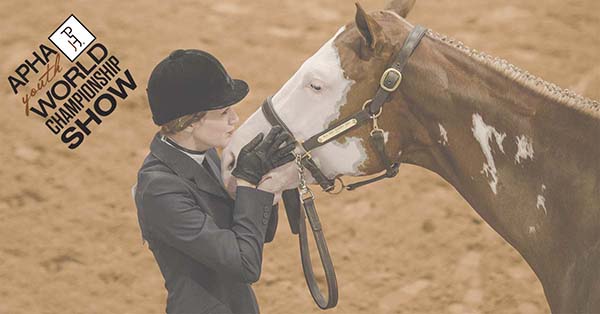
(299, 204)
(297, 220)
(315, 224)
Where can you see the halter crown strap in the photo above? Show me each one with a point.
(389, 82)
(391, 78)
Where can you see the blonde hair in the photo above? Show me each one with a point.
(177, 125)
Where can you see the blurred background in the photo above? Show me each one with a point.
(69, 237)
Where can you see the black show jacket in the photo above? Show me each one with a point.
(208, 246)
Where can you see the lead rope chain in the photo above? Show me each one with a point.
(304, 189)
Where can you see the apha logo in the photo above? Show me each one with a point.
(72, 38)
(70, 97)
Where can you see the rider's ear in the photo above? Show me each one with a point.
(369, 29)
(402, 7)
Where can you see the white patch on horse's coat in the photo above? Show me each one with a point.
(385, 137)
(532, 230)
(541, 201)
(352, 150)
(483, 133)
(524, 149)
(499, 138)
(338, 106)
(444, 135)
(339, 31)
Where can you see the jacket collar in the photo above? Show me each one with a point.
(186, 167)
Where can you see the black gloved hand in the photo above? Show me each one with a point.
(260, 156)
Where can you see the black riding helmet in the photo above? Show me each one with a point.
(189, 81)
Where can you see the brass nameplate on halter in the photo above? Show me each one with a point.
(337, 130)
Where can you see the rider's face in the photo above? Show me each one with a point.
(215, 128)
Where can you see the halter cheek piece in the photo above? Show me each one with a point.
(371, 110)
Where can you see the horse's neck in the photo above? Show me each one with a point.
(527, 162)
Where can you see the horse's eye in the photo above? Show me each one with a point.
(315, 86)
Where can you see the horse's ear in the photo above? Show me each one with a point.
(402, 7)
(369, 28)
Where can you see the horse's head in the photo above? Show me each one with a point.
(331, 85)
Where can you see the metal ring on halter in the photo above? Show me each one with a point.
(342, 187)
(306, 153)
(375, 115)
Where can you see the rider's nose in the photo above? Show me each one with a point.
(235, 118)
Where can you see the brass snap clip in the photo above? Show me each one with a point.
(374, 117)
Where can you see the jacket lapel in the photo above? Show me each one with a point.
(186, 167)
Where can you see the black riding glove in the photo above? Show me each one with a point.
(260, 156)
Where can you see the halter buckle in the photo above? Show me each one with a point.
(390, 80)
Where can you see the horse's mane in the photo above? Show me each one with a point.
(524, 78)
(514, 73)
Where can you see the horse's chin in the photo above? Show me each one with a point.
(281, 179)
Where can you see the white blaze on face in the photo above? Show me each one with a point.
(311, 100)
(484, 133)
(307, 103)
(444, 135)
(524, 149)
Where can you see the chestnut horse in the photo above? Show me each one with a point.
(524, 153)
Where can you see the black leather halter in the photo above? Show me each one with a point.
(371, 110)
